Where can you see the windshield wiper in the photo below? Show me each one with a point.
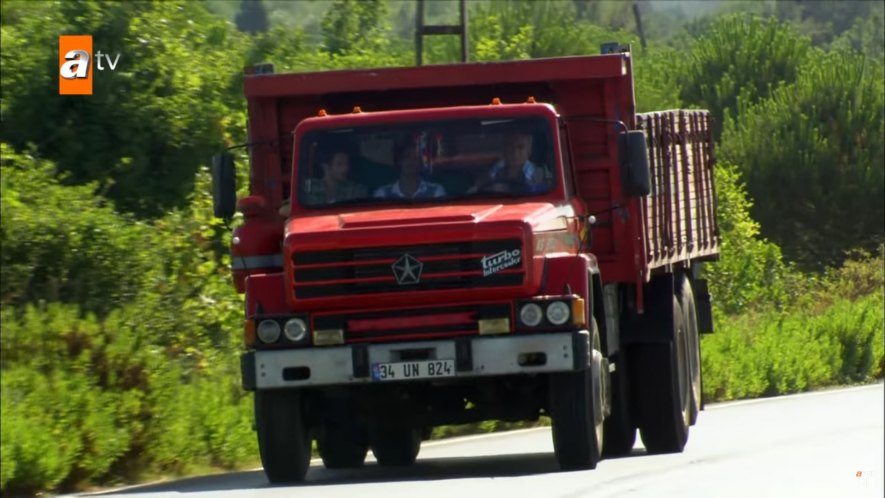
(377, 200)
(349, 202)
(489, 195)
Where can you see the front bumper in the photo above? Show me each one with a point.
(474, 357)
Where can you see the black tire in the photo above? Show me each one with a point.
(342, 446)
(619, 429)
(395, 446)
(576, 406)
(283, 440)
(693, 343)
(665, 390)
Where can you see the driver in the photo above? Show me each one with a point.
(515, 168)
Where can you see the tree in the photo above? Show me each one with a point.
(739, 57)
(512, 29)
(812, 158)
(150, 123)
(825, 20)
(252, 17)
(867, 36)
(354, 25)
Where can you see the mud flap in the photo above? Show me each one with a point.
(651, 326)
(704, 305)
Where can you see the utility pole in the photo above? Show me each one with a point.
(638, 23)
(422, 30)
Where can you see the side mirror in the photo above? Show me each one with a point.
(633, 153)
(224, 185)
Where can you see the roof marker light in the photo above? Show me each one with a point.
(530, 100)
(322, 113)
(356, 109)
(496, 101)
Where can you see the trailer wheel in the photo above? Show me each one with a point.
(576, 404)
(694, 347)
(665, 390)
(283, 440)
(395, 446)
(342, 446)
(620, 432)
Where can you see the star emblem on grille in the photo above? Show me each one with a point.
(407, 270)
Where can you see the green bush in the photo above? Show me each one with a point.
(145, 383)
(66, 424)
(751, 273)
(88, 401)
(63, 243)
(777, 353)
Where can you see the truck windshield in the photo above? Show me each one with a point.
(426, 162)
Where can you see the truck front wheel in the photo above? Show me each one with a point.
(395, 446)
(283, 440)
(576, 405)
(620, 433)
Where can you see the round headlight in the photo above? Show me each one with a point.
(268, 331)
(295, 330)
(530, 314)
(558, 313)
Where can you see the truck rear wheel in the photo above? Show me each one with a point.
(283, 440)
(620, 432)
(342, 446)
(694, 347)
(665, 390)
(576, 405)
(395, 446)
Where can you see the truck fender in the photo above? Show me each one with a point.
(569, 272)
(655, 324)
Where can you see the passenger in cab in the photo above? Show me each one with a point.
(410, 184)
(335, 185)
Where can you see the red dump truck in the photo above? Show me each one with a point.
(451, 244)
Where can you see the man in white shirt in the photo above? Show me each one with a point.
(410, 184)
(515, 168)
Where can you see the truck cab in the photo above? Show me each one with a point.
(453, 244)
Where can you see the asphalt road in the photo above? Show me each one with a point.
(827, 444)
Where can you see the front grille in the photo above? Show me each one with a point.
(411, 324)
(456, 265)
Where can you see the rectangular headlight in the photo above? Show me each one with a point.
(491, 326)
(328, 337)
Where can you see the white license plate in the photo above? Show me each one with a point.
(409, 370)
